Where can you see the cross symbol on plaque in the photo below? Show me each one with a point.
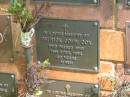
(66, 28)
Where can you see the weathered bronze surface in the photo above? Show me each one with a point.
(58, 88)
(6, 45)
(70, 1)
(128, 2)
(7, 85)
(69, 44)
(128, 47)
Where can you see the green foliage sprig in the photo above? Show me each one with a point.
(22, 15)
(27, 18)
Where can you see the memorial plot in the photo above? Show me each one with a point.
(69, 44)
(7, 85)
(6, 45)
(58, 88)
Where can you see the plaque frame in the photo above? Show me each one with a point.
(69, 87)
(54, 65)
(10, 88)
(82, 2)
(127, 48)
(6, 39)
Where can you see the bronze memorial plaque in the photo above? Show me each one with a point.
(7, 85)
(58, 88)
(127, 2)
(127, 47)
(70, 1)
(69, 44)
(6, 44)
